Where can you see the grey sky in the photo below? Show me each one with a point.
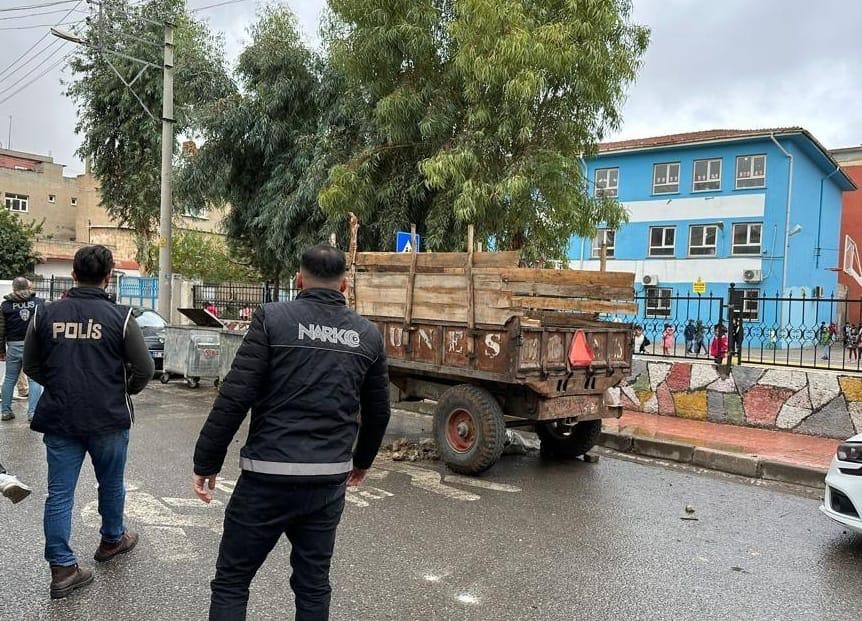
(733, 63)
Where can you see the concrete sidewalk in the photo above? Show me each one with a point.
(761, 453)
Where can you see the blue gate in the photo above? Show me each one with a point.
(140, 291)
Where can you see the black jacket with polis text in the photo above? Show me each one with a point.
(90, 355)
(305, 369)
(15, 312)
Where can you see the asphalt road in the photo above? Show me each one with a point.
(537, 541)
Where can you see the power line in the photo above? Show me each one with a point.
(41, 75)
(29, 15)
(36, 56)
(25, 7)
(42, 38)
(32, 26)
(212, 6)
(33, 70)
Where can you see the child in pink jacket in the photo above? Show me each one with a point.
(667, 339)
(718, 347)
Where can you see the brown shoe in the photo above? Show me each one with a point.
(106, 550)
(64, 580)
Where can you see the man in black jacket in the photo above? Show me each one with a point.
(15, 313)
(90, 355)
(305, 369)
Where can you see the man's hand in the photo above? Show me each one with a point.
(357, 477)
(203, 486)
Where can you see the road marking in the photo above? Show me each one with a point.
(496, 487)
(467, 598)
(360, 497)
(430, 481)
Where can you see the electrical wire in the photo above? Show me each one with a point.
(212, 6)
(32, 26)
(41, 75)
(33, 70)
(28, 15)
(51, 44)
(42, 38)
(26, 7)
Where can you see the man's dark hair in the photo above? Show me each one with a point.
(92, 264)
(324, 263)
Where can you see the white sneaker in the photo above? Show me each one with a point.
(13, 489)
(18, 396)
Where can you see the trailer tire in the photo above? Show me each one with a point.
(469, 429)
(569, 443)
(164, 378)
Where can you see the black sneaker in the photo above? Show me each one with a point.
(7, 416)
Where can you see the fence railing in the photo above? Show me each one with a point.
(798, 331)
(231, 300)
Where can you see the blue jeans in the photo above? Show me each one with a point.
(14, 362)
(65, 456)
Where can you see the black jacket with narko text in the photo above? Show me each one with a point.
(305, 369)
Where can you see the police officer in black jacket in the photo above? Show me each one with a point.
(305, 369)
(90, 355)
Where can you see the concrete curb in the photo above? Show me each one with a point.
(749, 466)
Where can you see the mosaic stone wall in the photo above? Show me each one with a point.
(810, 402)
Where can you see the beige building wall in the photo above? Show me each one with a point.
(71, 208)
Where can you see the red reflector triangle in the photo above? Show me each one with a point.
(580, 352)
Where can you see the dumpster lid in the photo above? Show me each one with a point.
(201, 317)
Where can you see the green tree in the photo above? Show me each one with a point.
(204, 256)
(119, 137)
(18, 256)
(268, 147)
(483, 111)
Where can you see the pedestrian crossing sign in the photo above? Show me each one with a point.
(402, 242)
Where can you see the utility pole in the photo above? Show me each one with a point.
(166, 205)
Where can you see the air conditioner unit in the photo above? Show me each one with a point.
(817, 292)
(752, 275)
(650, 280)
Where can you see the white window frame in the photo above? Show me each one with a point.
(74, 201)
(663, 297)
(664, 245)
(197, 214)
(702, 241)
(750, 303)
(751, 175)
(748, 243)
(22, 202)
(602, 187)
(601, 236)
(709, 175)
(667, 177)
(52, 198)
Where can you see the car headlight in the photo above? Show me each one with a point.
(850, 452)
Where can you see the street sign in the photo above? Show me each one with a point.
(699, 286)
(402, 242)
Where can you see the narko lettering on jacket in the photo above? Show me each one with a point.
(328, 334)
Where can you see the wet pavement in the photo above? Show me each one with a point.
(528, 541)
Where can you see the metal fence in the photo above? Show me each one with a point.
(812, 331)
(238, 301)
(139, 291)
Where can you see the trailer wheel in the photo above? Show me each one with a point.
(568, 441)
(193, 382)
(164, 378)
(469, 429)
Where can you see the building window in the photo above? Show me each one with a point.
(658, 301)
(607, 182)
(707, 176)
(665, 178)
(750, 171)
(662, 240)
(17, 202)
(608, 237)
(74, 202)
(701, 240)
(749, 301)
(52, 198)
(746, 238)
(200, 213)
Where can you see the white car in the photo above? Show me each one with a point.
(843, 500)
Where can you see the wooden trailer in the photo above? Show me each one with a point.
(499, 346)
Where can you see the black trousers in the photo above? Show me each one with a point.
(259, 512)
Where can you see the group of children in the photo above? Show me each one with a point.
(852, 340)
(717, 347)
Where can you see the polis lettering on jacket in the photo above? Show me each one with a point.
(77, 331)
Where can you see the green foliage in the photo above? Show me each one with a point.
(204, 256)
(482, 113)
(268, 147)
(120, 138)
(17, 241)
